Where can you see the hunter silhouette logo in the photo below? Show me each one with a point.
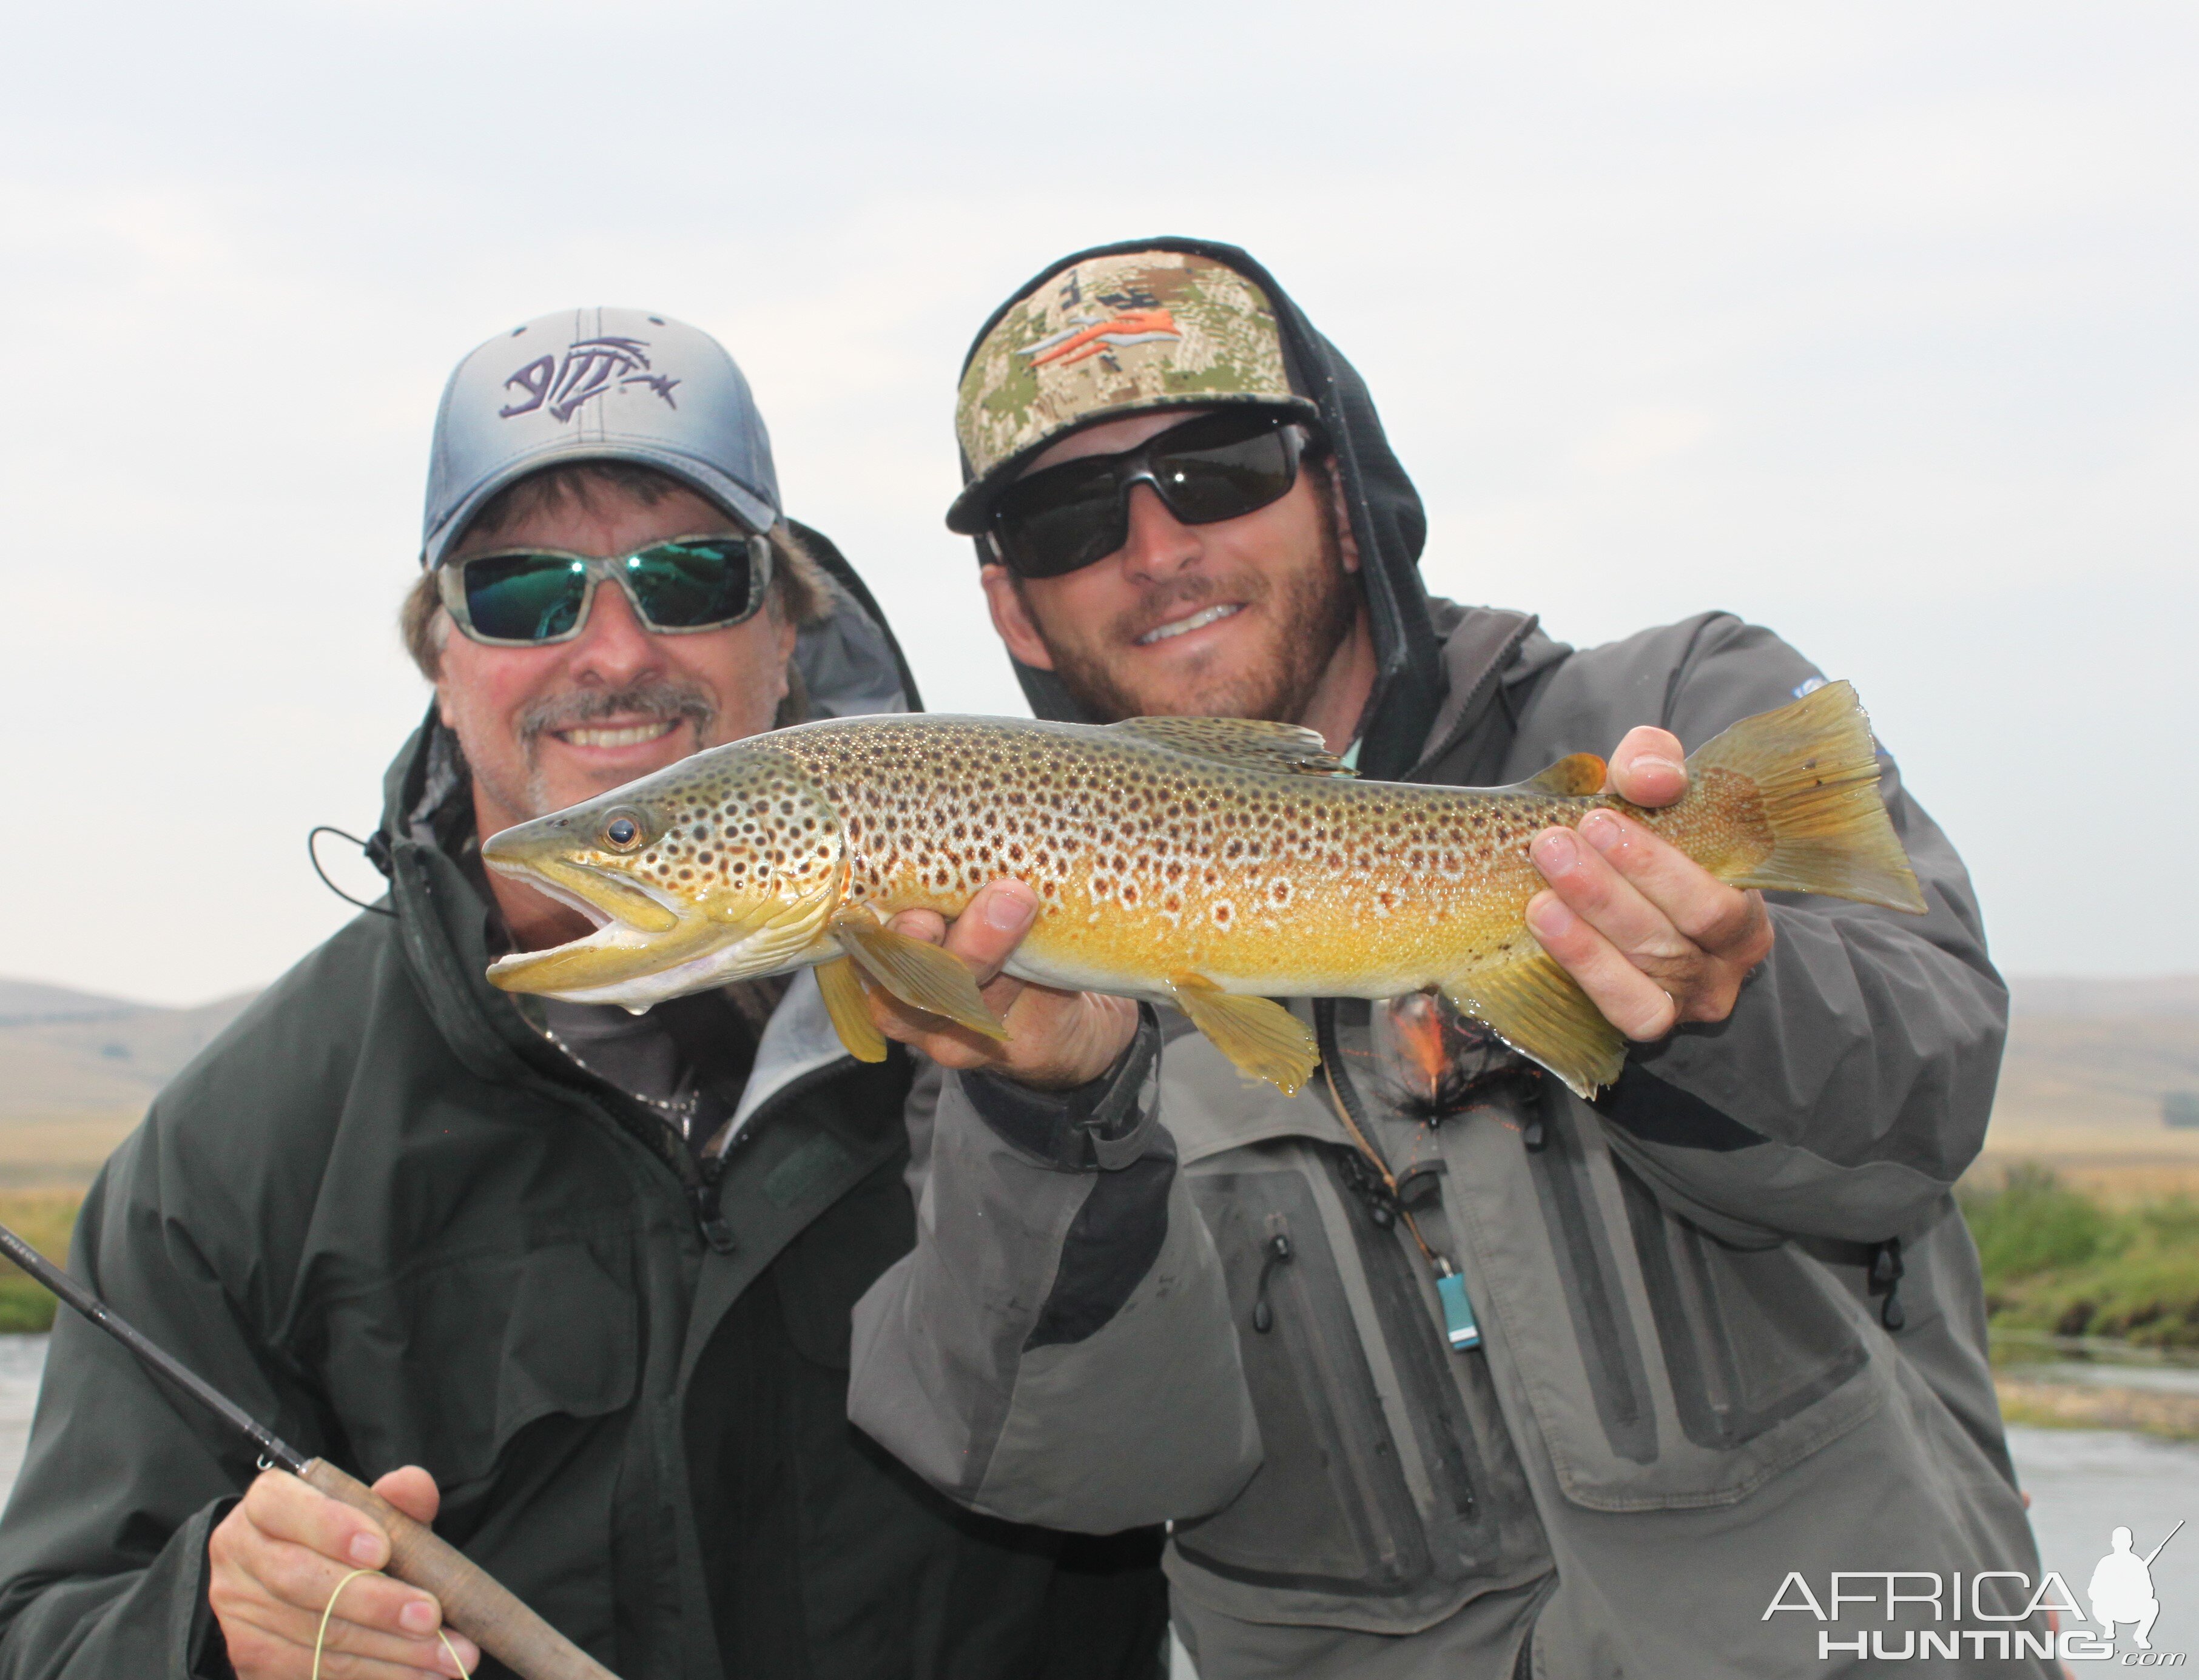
(1139, 318)
(2121, 1589)
(589, 367)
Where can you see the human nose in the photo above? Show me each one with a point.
(1159, 544)
(614, 645)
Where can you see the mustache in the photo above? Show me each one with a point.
(659, 697)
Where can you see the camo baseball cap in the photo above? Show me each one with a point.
(1103, 336)
(597, 385)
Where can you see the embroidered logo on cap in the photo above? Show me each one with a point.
(589, 367)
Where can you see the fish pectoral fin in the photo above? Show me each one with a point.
(850, 1010)
(1539, 1010)
(1575, 776)
(1260, 1037)
(921, 975)
(1251, 742)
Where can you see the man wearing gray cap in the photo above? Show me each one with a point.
(572, 1284)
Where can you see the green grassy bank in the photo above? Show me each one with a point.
(43, 1218)
(2060, 1262)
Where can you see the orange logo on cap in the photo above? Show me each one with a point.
(1132, 326)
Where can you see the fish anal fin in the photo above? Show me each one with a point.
(850, 1010)
(1250, 743)
(1575, 776)
(1539, 1010)
(1260, 1038)
(921, 975)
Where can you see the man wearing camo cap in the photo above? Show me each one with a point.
(1506, 1382)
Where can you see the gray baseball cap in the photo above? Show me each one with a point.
(597, 385)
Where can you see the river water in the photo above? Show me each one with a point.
(2084, 1483)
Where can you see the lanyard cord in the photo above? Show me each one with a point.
(1325, 1031)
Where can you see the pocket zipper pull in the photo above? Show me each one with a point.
(1459, 1323)
(1279, 1252)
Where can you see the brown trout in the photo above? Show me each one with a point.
(1212, 864)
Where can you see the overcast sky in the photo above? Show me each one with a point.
(1873, 323)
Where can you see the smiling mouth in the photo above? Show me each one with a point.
(625, 735)
(1198, 620)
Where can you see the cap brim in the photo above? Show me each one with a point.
(736, 498)
(967, 513)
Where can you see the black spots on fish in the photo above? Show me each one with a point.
(1278, 892)
(1222, 913)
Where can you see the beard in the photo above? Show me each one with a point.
(1313, 609)
(661, 698)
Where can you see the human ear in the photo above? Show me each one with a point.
(1013, 619)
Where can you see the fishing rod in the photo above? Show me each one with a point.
(2157, 1551)
(474, 1603)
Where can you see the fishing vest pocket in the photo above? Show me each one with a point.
(1752, 1337)
(1329, 1522)
(446, 1366)
(1664, 1368)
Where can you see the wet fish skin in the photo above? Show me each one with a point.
(1213, 864)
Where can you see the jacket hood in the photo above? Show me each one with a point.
(1387, 522)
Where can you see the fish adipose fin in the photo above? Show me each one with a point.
(1249, 743)
(850, 1010)
(1260, 1037)
(1575, 776)
(921, 975)
(1816, 771)
(1537, 1008)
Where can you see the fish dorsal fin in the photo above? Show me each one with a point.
(1575, 776)
(1251, 742)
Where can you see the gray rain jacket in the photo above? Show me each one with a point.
(1732, 1329)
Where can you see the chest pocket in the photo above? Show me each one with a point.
(446, 1366)
(1666, 1370)
(1328, 1510)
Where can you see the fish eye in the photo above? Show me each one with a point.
(622, 833)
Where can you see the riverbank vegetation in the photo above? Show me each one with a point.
(44, 1219)
(2060, 1262)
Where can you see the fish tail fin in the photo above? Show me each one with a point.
(1814, 771)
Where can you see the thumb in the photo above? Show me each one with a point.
(1648, 768)
(413, 1492)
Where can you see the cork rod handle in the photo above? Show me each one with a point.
(473, 1601)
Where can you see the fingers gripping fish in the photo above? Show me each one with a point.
(1213, 864)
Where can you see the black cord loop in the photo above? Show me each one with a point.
(375, 849)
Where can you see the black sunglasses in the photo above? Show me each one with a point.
(1218, 466)
(525, 597)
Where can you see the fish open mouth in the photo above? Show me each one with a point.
(636, 932)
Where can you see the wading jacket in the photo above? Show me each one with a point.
(386, 1216)
(1730, 1326)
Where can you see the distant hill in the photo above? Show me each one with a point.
(26, 1000)
(77, 1071)
(2088, 1064)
